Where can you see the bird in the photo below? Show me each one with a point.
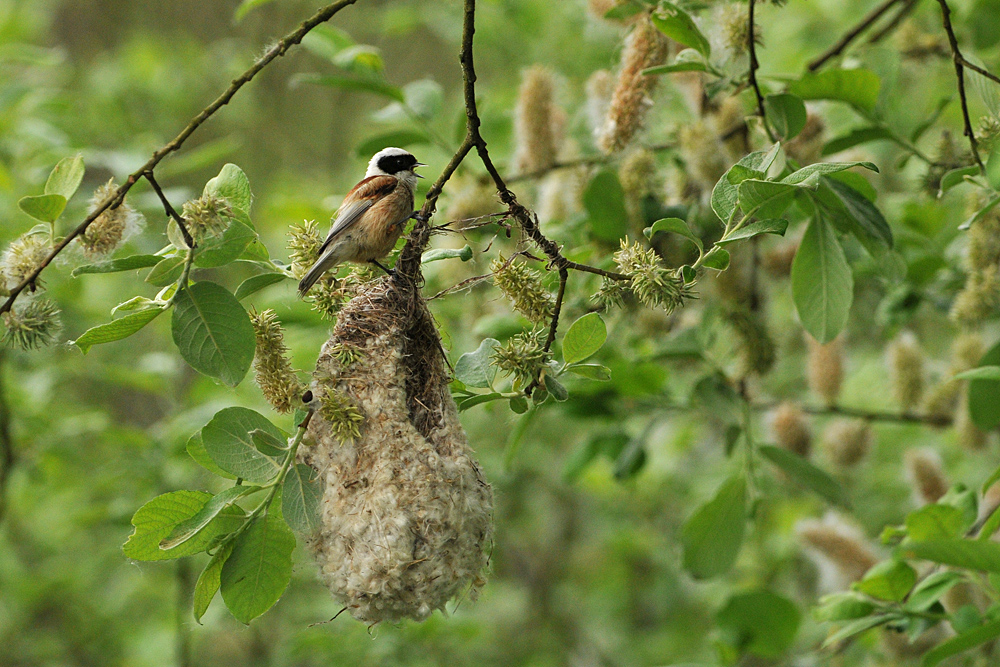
(372, 216)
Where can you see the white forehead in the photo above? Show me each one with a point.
(387, 152)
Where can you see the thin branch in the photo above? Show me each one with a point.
(582, 162)
(551, 338)
(116, 198)
(960, 64)
(870, 415)
(169, 209)
(752, 74)
(851, 35)
(887, 29)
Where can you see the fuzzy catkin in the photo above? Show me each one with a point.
(111, 227)
(839, 544)
(926, 475)
(791, 430)
(825, 369)
(645, 47)
(600, 86)
(23, 256)
(534, 121)
(847, 441)
(906, 367)
(407, 513)
(271, 367)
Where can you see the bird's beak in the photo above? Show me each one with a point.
(418, 164)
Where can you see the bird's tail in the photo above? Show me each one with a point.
(314, 274)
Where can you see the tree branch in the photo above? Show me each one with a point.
(116, 198)
(894, 22)
(851, 35)
(170, 210)
(960, 64)
(752, 73)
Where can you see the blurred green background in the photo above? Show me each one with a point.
(586, 563)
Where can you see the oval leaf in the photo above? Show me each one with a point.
(65, 177)
(213, 332)
(301, 496)
(473, 369)
(713, 535)
(822, 285)
(228, 442)
(46, 208)
(805, 473)
(116, 330)
(259, 568)
(157, 518)
(584, 338)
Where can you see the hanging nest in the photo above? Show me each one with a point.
(406, 513)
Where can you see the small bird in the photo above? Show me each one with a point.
(369, 222)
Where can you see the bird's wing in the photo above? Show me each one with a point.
(360, 199)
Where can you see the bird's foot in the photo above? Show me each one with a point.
(420, 217)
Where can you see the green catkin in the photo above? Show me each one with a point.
(522, 356)
(523, 286)
(31, 325)
(206, 217)
(272, 369)
(303, 245)
(653, 284)
(906, 368)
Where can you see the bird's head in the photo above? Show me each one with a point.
(393, 162)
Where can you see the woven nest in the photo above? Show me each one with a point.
(406, 512)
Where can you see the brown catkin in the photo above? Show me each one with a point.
(825, 368)
(970, 436)
(906, 368)
(847, 441)
(533, 121)
(791, 429)
(645, 47)
(24, 254)
(110, 228)
(926, 474)
(271, 367)
(838, 543)
(702, 153)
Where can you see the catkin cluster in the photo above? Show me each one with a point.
(980, 298)
(523, 286)
(111, 227)
(653, 284)
(272, 369)
(535, 120)
(407, 513)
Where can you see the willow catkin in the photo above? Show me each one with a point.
(925, 473)
(906, 369)
(406, 512)
(702, 152)
(272, 369)
(839, 544)
(791, 429)
(825, 368)
(847, 441)
(980, 297)
(645, 47)
(112, 226)
(600, 86)
(533, 121)
(24, 254)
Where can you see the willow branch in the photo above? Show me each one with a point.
(894, 22)
(116, 198)
(752, 73)
(581, 162)
(851, 35)
(960, 64)
(868, 415)
(169, 209)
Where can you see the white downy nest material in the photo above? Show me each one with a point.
(407, 513)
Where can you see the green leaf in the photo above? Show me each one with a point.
(209, 581)
(856, 137)
(247, 6)
(46, 208)
(889, 580)
(423, 98)
(712, 536)
(822, 285)
(773, 226)
(984, 23)
(935, 522)
(591, 371)
(787, 114)
(518, 404)
(717, 259)
(473, 369)
(168, 270)
(965, 640)
(478, 399)
(196, 449)
(117, 329)
(256, 283)
(117, 265)
(373, 86)
(674, 225)
(301, 496)
(857, 87)
(981, 373)
(437, 254)
(857, 627)
(978, 215)
(190, 528)
(869, 219)
(584, 338)
(232, 185)
(213, 332)
(761, 622)
(805, 473)
(556, 388)
(766, 199)
(221, 250)
(686, 66)
(399, 138)
(157, 518)
(842, 607)
(65, 177)
(931, 589)
(259, 568)
(676, 24)
(604, 200)
(229, 444)
(970, 554)
(623, 11)
(810, 173)
(984, 395)
(268, 444)
(724, 195)
(955, 177)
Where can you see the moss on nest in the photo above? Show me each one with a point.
(407, 513)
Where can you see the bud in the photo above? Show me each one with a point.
(791, 430)
(523, 286)
(645, 47)
(304, 242)
(825, 369)
(651, 283)
(533, 121)
(272, 369)
(906, 367)
(31, 324)
(925, 474)
(838, 543)
(24, 254)
(847, 441)
(111, 227)
(206, 216)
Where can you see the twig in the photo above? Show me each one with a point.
(752, 74)
(582, 162)
(870, 415)
(7, 456)
(468, 282)
(170, 210)
(851, 35)
(960, 64)
(116, 198)
(894, 22)
(551, 338)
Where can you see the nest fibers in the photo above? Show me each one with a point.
(406, 512)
